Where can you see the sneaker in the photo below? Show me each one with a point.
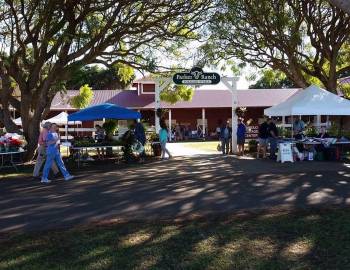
(70, 177)
(45, 181)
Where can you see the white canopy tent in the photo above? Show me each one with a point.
(311, 101)
(62, 119)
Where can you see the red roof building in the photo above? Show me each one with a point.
(214, 105)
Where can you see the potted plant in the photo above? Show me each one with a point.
(240, 111)
(252, 146)
(311, 131)
(110, 126)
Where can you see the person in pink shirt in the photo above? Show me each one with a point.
(42, 151)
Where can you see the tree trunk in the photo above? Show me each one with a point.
(30, 124)
(342, 4)
(31, 130)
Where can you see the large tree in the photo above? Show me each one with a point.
(117, 76)
(42, 42)
(306, 40)
(272, 79)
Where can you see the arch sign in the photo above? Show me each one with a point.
(196, 76)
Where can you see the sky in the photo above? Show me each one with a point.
(190, 58)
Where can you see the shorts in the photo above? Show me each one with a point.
(262, 142)
(240, 140)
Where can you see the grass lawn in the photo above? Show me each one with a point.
(209, 146)
(306, 240)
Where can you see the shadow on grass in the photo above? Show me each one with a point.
(304, 240)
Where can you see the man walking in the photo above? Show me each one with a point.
(42, 151)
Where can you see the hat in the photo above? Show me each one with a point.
(46, 125)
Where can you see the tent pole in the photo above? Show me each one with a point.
(292, 122)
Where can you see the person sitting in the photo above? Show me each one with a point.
(100, 137)
(323, 134)
(320, 148)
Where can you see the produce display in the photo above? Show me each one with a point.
(90, 142)
(11, 142)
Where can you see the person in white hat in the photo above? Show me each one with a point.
(42, 151)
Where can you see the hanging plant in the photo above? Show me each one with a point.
(240, 111)
(161, 113)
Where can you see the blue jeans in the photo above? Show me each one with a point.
(273, 147)
(225, 145)
(52, 156)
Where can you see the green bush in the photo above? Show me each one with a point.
(252, 145)
(110, 126)
(284, 132)
(311, 131)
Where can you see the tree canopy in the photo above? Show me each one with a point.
(44, 42)
(117, 76)
(306, 40)
(173, 94)
(272, 79)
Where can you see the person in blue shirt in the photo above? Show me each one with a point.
(241, 131)
(53, 154)
(139, 132)
(163, 138)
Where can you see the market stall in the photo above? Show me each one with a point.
(11, 150)
(62, 120)
(314, 101)
(80, 148)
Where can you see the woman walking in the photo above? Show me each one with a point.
(53, 154)
(163, 138)
(42, 151)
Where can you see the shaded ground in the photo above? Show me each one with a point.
(306, 240)
(177, 188)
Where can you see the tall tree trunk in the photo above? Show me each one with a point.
(342, 4)
(30, 124)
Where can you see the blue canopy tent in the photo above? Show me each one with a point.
(106, 110)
